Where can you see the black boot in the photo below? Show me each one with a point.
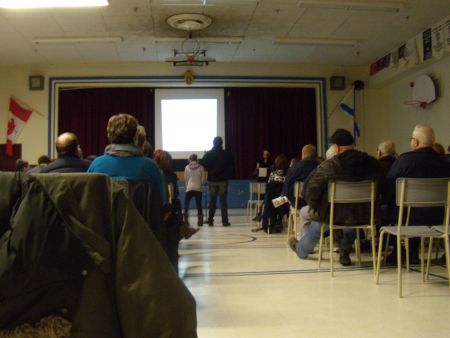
(200, 220)
(344, 257)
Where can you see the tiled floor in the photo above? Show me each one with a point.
(251, 285)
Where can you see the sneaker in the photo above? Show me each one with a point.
(211, 223)
(226, 224)
(293, 243)
(344, 258)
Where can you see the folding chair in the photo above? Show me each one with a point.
(294, 211)
(417, 193)
(348, 192)
(256, 190)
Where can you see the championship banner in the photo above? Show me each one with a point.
(447, 35)
(437, 41)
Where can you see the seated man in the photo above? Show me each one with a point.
(421, 162)
(43, 161)
(300, 170)
(386, 155)
(69, 156)
(348, 164)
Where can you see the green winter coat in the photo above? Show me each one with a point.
(74, 245)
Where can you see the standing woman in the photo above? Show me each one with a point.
(194, 174)
(173, 218)
(264, 163)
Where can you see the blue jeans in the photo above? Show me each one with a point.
(311, 237)
(221, 189)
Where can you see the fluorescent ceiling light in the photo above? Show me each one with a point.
(205, 39)
(74, 40)
(318, 41)
(388, 6)
(22, 4)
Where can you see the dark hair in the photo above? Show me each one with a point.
(122, 129)
(43, 159)
(193, 157)
(280, 162)
(218, 141)
(163, 159)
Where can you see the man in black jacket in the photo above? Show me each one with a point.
(300, 170)
(69, 156)
(219, 164)
(421, 162)
(348, 164)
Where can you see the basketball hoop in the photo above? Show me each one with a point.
(190, 47)
(416, 103)
(190, 59)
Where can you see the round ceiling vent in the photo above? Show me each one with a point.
(189, 22)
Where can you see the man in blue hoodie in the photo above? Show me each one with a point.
(219, 164)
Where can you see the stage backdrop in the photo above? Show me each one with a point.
(85, 112)
(281, 120)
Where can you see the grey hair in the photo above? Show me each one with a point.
(331, 152)
(387, 148)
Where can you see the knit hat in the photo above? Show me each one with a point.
(342, 137)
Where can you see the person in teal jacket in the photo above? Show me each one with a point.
(123, 160)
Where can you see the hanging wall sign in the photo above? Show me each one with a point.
(447, 35)
(427, 46)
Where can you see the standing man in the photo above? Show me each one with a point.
(219, 164)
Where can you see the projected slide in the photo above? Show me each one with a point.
(187, 120)
(188, 125)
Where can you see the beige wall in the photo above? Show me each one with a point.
(34, 137)
(387, 117)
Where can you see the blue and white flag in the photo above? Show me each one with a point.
(348, 105)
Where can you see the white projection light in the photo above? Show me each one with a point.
(188, 124)
(22, 4)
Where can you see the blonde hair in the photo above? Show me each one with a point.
(141, 136)
(122, 128)
(309, 150)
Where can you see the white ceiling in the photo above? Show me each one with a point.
(140, 22)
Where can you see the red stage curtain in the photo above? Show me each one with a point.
(85, 112)
(281, 120)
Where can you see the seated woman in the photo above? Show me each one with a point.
(123, 160)
(272, 216)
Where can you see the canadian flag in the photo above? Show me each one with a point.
(18, 117)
